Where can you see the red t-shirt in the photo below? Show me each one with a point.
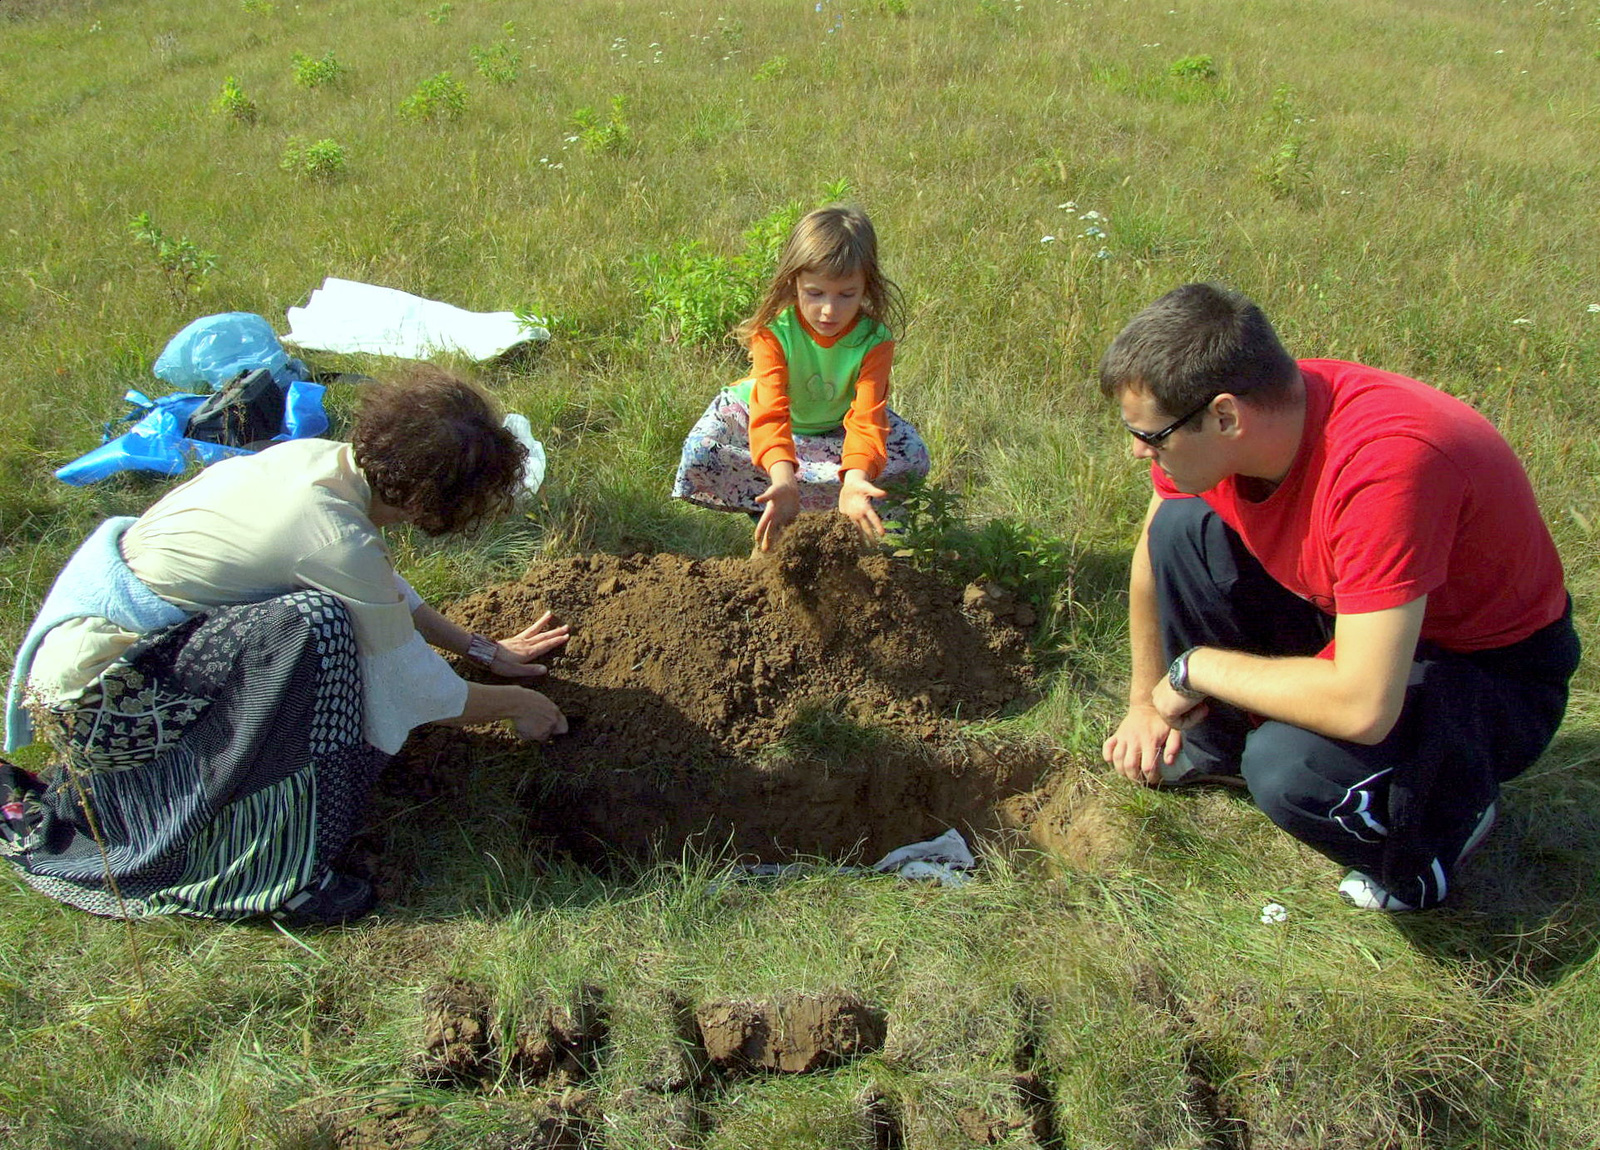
(1400, 491)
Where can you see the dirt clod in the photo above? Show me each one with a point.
(795, 1034)
(558, 1039)
(455, 1032)
(388, 1127)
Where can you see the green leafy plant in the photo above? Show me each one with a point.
(440, 13)
(310, 72)
(1287, 169)
(320, 160)
(1193, 68)
(499, 63)
(772, 68)
(899, 8)
(763, 243)
(924, 523)
(440, 97)
(233, 103)
(610, 135)
(692, 294)
(259, 7)
(183, 263)
(927, 528)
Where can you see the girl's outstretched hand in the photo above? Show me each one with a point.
(782, 500)
(514, 657)
(855, 502)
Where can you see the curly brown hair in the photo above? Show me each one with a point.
(431, 444)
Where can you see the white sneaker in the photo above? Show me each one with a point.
(1363, 891)
(1479, 833)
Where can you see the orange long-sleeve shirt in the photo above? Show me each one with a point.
(866, 423)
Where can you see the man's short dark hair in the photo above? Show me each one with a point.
(1195, 342)
(432, 445)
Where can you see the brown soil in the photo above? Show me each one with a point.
(795, 1034)
(811, 702)
(455, 1038)
(558, 1039)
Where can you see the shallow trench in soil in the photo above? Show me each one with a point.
(812, 703)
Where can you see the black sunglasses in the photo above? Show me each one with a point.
(1156, 438)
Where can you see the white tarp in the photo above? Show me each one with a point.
(346, 316)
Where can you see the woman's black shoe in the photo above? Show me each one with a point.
(338, 898)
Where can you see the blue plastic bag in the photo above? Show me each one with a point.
(156, 441)
(216, 348)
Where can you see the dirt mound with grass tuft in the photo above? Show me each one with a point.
(811, 701)
(795, 1034)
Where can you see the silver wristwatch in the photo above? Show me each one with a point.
(1178, 676)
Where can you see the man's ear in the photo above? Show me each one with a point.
(1229, 412)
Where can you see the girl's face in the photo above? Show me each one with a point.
(829, 305)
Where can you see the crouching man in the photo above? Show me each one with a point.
(1362, 614)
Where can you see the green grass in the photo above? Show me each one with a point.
(1396, 183)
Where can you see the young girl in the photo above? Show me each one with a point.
(811, 427)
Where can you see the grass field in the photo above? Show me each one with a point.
(1406, 184)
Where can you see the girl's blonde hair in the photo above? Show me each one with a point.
(835, 241)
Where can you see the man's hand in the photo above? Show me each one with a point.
(856, 494)
(782, 504)
(1141, 744)
(1177, 711)
(514, 657)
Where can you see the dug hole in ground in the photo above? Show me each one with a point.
(812, 703)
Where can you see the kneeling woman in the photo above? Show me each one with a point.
(223, 677)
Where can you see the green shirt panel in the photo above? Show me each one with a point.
(822, 380)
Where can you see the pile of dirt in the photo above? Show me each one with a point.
(808, 702)
(706, 661)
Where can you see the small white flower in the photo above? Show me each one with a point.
(1070, 206)
(1103, 254)
(1523, 319)
(1499, 51)
(1090, 215)
(1274, 913)
(1047, 239)
(1594, 307)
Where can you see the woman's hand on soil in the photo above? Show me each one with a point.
(514, 657)
(536, 718)
(1141, 744)
(782, 504)
(856, 494)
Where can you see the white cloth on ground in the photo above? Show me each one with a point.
(348, 316)
(943, 859)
